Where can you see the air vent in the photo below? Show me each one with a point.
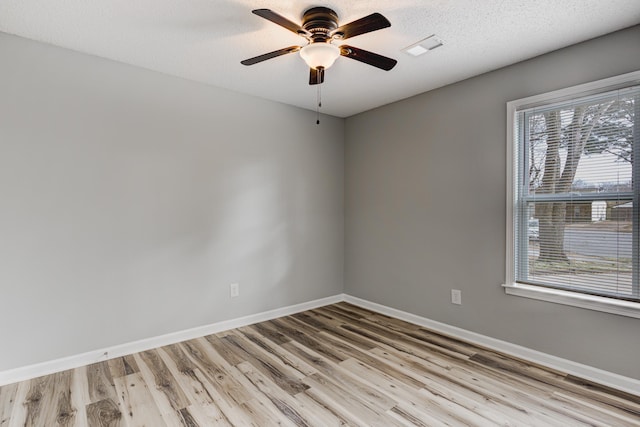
(423, 46)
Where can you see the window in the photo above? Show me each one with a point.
(574, 196)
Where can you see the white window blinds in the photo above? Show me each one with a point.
(577, 203)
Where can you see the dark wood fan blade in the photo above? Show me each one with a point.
(316, 76)
(373, 22)
(282, 21)
(367, 57)
(270, 55)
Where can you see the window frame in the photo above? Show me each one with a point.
(558, 296)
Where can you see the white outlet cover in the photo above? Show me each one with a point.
(234, 290)
(456, 296)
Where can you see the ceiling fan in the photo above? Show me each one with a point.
(320, 28)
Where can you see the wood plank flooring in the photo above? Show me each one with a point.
(332, 366)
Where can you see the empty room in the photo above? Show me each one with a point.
(256, 213)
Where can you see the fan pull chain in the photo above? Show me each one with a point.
(319, 96)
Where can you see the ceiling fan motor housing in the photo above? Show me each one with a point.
(320, 22)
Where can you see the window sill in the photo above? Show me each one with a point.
(591, 302)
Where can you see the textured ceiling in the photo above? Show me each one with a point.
(205, 40)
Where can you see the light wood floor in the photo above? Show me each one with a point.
(337, 365)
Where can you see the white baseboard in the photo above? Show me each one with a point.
(75, 361)
(606, 378)
(610, 379)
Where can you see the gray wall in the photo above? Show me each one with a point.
(130, 200)
(425, 208)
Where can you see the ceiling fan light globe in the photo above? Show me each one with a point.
(320, 55)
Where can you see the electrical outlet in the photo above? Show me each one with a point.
(456, 296)
(234, 290)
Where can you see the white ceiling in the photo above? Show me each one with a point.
(205, 40)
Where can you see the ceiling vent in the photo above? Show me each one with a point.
(424, 45)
